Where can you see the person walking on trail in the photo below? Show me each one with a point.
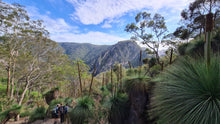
(56, 114)
(66, 116)
(61, 111)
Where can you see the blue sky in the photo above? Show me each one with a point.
(97, 21)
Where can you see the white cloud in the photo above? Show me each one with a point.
(96, 11)
(106, 25)
(90, 37)
(54, 26)
(61, 31)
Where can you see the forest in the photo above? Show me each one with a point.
(180, 87)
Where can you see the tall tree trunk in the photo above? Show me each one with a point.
(106, 79)
(24, 92)
(171, 56)
(162, 64)
(80, 82)
(140, 59)
(117, 82)
(129, 63)
(22, 97)
(12, 80)
(103, 79)
(9, 76)
(111, 82)
(209, 28)
(120, 68)
(93, 73)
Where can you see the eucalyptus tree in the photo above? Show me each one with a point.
(172, 43)
(26, 48)
(193, 18)
(13, 20)
(150, 31)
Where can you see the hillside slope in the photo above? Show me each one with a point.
(105, 56)
(84, 51)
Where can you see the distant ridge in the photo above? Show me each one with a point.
(104, 56)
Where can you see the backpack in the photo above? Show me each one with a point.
(61, 109)
(54, 112)
(65, 110)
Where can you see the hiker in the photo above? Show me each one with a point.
(55, 113)
(66, 116)
(61, 111)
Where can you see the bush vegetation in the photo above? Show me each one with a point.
(38, 114)
(189, 93)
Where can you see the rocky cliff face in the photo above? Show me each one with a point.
(105, 56)
(122, 52)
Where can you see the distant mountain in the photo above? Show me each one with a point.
(84, 51)
(105, 56)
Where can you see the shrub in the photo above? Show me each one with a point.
(54, 103)
(136, 84)
(25, 114)
(38, 114)
(119, 110)
(155, 70)
(83, 110)
(189, 93)
(14, 108)
(152, 62)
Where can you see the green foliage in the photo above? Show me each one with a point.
(182, 48)
(149, 30)
(54, 103)
(25, 113)
(86, 52)
(189, 93)
(119, 107)
(136, 84)
(133, 72)
(38, 114)
(83, 110)
(3, 89)
(68, 101)
(152, 62)
(14, 109)
(105, 93)
(196, 46)
(155, 70)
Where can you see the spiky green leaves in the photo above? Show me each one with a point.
(189, 93)
(119, 108)
(83, 110)
(136, 85)
(38, 113)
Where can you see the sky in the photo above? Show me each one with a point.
(100, 22)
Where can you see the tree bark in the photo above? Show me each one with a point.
(140, 59)
(111, 82)
(23, 93)
(120, 68)
(9, 76)
(93, 73)
(209, 28)
(103, 79)
(79, 77)
(12, 81)
(171, 56)
(129, 63)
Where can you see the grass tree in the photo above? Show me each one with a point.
(119, 110)
(83, 110)
(189, 93)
